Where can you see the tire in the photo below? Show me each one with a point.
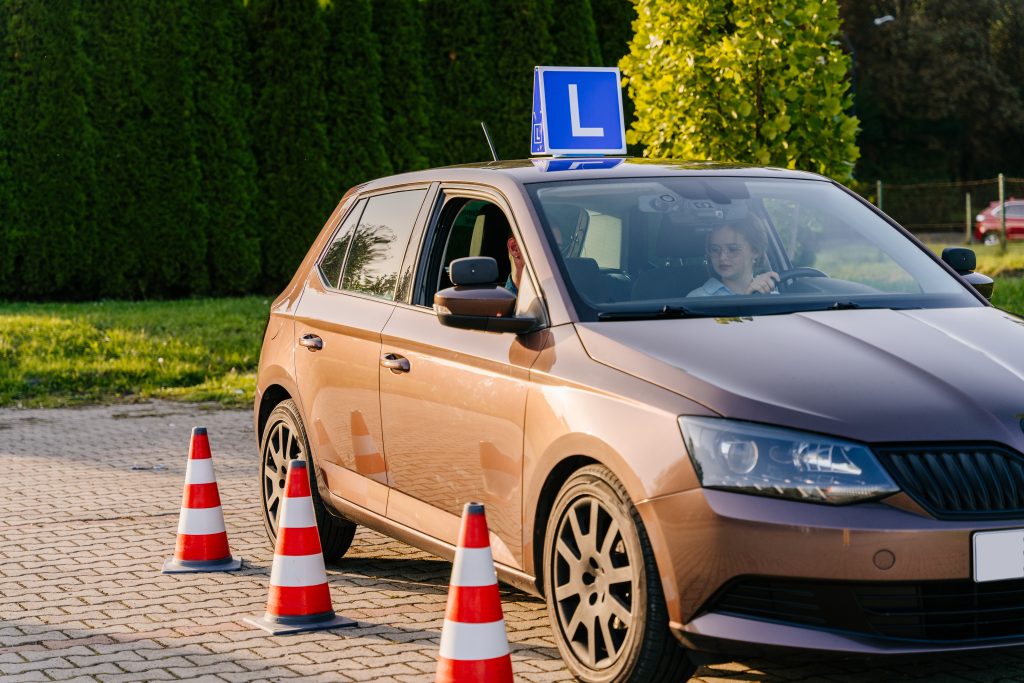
(599, 568)
(283, 439)
(990, 238)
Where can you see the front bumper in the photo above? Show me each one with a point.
(709, 542)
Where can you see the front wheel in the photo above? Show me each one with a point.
(990, 238)
(602, 587)
(283, 440)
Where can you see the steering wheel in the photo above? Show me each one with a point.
(789, 276)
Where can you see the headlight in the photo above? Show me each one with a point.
(770, 461)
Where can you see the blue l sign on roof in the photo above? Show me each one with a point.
(577, 110)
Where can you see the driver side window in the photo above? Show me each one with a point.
(467, 227)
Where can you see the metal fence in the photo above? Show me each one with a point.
(948, 208)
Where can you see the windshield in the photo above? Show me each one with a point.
(674, 247)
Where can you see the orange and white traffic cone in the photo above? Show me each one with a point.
(474, 646)
(300, 598)
(369, 462)
(202, 539)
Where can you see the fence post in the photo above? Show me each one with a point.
(1002, 213)
(878, 195)
(967, 220)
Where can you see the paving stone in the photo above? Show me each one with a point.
(84, 672)
(135, 677)
(83, 538)
(27, 677)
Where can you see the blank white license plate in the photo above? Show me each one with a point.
(998, 555)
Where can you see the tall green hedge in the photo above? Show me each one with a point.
(288, 41)
(613, 20)
(355, 119)
(8, 197)
(227, 166)
(459, 67)
(520, 40)
(405, 95)
(49, 148)
(113, 35)
(574, 34)
(174, 263)
(152, 149)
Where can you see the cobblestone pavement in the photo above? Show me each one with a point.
(88, 512)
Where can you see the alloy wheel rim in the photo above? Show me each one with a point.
(594, 582)
(281, 446)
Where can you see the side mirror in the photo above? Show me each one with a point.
(961, 260)
(476, 302)
(964, 261)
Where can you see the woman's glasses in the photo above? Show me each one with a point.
(733, 250)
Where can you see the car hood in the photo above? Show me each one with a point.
(874, 375)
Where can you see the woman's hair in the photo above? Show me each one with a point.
(753, 232)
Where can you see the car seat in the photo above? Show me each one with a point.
(679, 260)
(494, 241)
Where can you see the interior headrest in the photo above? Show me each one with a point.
(565, 219)
(680, 241)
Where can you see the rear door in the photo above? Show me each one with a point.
(348, 299)
(453, 414)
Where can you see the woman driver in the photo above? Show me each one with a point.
(735, 251)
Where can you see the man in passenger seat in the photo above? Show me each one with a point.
(515, 255)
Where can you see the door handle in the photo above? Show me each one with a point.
(394, 362)
(311, 342)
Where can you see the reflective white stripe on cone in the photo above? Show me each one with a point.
(202, 544)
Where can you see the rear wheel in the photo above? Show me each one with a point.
(602, 586)
(283, 440)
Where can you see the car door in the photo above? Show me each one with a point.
(453, 412)
(1015, 221)
(348, 299)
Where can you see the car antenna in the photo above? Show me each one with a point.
(487, 134)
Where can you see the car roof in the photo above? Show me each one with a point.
(526, 171)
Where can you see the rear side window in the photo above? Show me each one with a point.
(334, 258)
(378, 243)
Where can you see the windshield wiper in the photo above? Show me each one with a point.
(663, 312)
(845, 306)
(851, 305)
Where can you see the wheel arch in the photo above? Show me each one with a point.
(553, 483)
(272, 396)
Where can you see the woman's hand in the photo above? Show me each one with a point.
(763, 283)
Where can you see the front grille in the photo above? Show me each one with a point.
(958, 482)
(932, 611)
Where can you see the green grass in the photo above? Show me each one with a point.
(992, 261)
(1006, 268)
(189, 350)
(1009, 295)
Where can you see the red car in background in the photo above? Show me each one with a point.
(988, 224)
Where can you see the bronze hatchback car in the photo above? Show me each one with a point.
(735, 405)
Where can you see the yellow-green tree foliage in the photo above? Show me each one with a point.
(754, 81)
